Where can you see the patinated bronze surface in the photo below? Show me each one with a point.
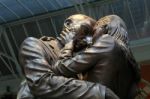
(108, 60)
(37, 58)
(52, 74)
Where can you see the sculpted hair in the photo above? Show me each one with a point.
(114, 26)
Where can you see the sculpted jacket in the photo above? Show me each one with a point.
(107, 63)
(37, 59)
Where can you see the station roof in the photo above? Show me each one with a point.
(13, 10)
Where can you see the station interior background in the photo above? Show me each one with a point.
(24, 18)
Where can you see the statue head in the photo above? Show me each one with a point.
(112, 25)
(80, 28)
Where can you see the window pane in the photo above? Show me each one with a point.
(46, 27)
(32, 29)
(18, 34)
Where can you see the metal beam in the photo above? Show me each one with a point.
(12, 71)
(7, 56)
(3, 19)
(130, 12)
(112, 9)
(25, 30)
(59, 3)
(54, 26)
(39, 28)
(75, 5)
(2, 46)
(81, 6)
(52, 4)
(9, 9)
(25, 7)
(88, 5)
(90, 10)
(146, 10)
(12, 53)
(11, 32)
(1, 34)
(7, 65)
(55, 13)
(39, 2)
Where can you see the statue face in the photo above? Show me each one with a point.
(74, 22)
(82, 26)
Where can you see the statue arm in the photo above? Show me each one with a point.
(45, 84)
(70, 66)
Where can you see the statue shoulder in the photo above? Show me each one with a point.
(30, 41)
(52, 45)
(105, 41)
(50, 41)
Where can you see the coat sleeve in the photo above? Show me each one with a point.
(45, 84)
(70, 66)
(24, 91)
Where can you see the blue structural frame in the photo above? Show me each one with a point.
(11, 10)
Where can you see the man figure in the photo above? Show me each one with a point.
(108, 60)
(37, 58)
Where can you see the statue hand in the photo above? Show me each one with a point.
(67, 50)
(67, 35)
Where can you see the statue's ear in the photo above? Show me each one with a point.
(67, 23)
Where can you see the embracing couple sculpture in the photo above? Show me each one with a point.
(90, 60)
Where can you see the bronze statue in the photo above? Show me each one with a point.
(39, 56)
(108, 60)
